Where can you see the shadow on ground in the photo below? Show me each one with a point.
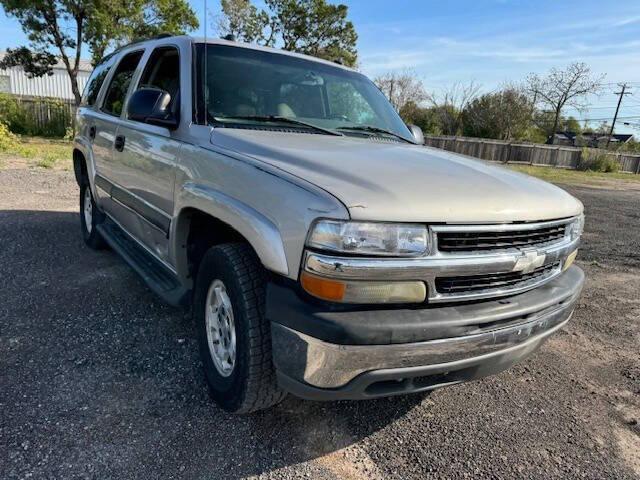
(100, 378)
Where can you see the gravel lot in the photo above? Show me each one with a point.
(98, 379)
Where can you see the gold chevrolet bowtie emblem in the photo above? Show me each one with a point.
(529, 262)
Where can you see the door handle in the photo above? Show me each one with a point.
(92, 132)
(119, 143)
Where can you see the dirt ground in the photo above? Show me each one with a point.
(99, 379)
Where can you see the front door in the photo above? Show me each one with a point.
(145, 158)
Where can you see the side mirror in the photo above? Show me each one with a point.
(152, 106)
(416, 131)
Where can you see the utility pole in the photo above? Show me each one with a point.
(622, 93)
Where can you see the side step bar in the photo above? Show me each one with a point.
(158, 277)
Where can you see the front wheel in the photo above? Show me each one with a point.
(233, 334)
(90, 217)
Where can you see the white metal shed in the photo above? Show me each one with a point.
(58, 85)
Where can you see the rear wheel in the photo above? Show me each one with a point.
(233, 333)
(90, 217)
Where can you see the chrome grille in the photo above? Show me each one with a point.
(458, 241)
(496, 281)
(472, 241)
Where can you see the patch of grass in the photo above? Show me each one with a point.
(47, 161)
(42, 152)
(561, 175)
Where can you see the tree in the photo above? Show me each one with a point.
(504, 115)
(65, 25)
(242, 20)
(312, 27)
(401, 88)
(560, 88)
(424, 117)
(450, 103)
(119, 22)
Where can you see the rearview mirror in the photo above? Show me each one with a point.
(152, 106)
(416, 131)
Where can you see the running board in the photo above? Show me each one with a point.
(157, 276)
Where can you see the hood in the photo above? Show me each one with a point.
(390, 181)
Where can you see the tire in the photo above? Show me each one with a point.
(231, 274)
(90, 218)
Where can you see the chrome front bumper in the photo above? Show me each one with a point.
(318, 369)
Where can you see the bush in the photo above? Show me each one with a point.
(8, 141)
(12, 114)
(597, 162)
(45, 117)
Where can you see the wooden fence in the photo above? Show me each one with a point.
(39, 116)
(48, 117)
(531, 154)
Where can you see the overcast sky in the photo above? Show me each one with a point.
(489, 41)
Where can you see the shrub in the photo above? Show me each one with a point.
(12, 114)
(8, 141)
(46, 117)
(596, 161)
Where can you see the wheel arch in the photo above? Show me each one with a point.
(79, 165)
(207, 217)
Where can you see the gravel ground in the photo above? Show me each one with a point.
(99, 379)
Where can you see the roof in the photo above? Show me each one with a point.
(250, 46)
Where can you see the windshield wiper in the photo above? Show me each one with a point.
(371, 128)
(277, 118)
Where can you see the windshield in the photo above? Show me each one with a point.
(248, 87)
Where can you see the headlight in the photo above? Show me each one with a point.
(366, 238)
(576, 227)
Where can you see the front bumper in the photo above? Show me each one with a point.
(471, 343)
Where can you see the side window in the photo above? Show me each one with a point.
(95, 81)
(119, 85)
(163, 72)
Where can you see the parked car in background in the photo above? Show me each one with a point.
(323, 250)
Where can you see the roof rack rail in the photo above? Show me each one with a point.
(135, 41)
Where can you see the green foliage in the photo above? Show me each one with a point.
(504, 115)
(596, 161)
(21, 117)
(98, 23)
(8, 141)
(35, 64)
(570, 125)
(12, 115)
(425, 118)
(115, 23)
(312, 27)
(43, 153)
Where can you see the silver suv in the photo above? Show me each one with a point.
(323, 250)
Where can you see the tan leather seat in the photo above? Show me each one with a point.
(285, 110)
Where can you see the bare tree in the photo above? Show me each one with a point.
(560, 88)
(401, 88)
(449, 104)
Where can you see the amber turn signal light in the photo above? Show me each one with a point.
(323, 288)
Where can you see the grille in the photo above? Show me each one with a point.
(487, 241)
(494, 281)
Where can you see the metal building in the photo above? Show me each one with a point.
(58, 85)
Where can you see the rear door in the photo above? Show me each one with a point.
(145, 156)
(94, 127)
(107, 122)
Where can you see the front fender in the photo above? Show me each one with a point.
(260, 232)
